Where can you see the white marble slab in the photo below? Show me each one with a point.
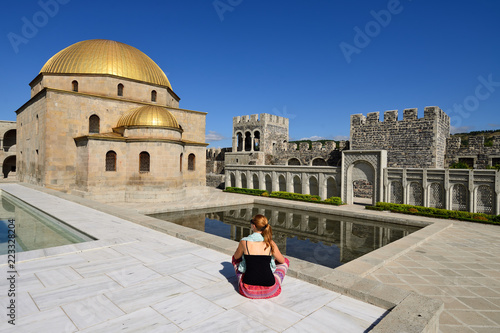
(229, 321)
(131, 275)
(45, 264)
(143, 320)
(327, 319)
(58, 276)
(23, 303)
(212, 255)
(195, 278)
(364, 311)
(74, 291)
(221, 270)
(92, 311)
(303, 297)
(54, 320)
(25, 282)
(269, 314)
(223, 294)
(100, 254)
(177, 264)
(104, 266)
(187, 309)
(143, 252)
(148, 293)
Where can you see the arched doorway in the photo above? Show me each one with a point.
(361, 183)
(313, 186)
(9, 166)
(9, 139)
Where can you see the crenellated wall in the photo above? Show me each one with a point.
(318, 154)
(410, 142)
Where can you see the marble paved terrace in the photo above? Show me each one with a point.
(135, 279)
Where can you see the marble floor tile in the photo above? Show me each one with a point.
(130, 275)
(23, 303)
(222, 270)
(146, 294)
(211, 255)
(141, 252)
(45, 264)
(195, 278)
(100, 254)
(364, 311)
(222, 293)
(229, 321)
(58, 276)
(53, 320)
(92, 311)
(269, 314)
(99, 267)
(187, 309)
(74, 291)
(143, 320)
(329, 320)
(302, 297)
(176, 264)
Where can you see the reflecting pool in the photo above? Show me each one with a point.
(324, 239)
(33, 228)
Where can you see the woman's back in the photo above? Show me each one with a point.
(258, 259)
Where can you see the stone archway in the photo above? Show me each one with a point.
(9, 166)
(365, 167)
(362, 181)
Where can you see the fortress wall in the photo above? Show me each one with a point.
(410, 142)
(481, 155)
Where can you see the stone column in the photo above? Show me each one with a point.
(447, 190)
(305, 183)
(425, 190)
(237, 176)
(322, 185)
(404, 183)
(472, 206)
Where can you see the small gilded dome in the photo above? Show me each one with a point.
(101, 56)
(148, 116)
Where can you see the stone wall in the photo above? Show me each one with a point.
(475, 191)
(318, 155)
(480, 155)
(411, 142)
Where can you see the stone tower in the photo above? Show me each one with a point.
(256, 136)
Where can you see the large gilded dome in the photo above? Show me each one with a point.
(101, 56)
(148, 116)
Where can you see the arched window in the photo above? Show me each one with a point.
(120, 89)
(294, 161)
(110, 161)
(153, 96)
(144, 162)
(94, 124)
(191, 161)
(75, 85)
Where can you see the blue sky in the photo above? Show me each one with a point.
(316, 62)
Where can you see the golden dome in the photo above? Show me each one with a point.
(101, 56)
(148, 116)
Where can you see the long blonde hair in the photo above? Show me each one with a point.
(262, 224)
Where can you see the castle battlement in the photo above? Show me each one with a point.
(390, 116)
(315, 146)
(475, 143)
(260, 119)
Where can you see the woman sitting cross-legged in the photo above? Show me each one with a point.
(255, 262)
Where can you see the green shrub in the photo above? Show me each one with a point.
(265, 194)
(334, 201)
(436, 212)
(459, 165)
(294, 196)
(244, 190)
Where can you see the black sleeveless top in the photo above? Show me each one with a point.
(258, 272)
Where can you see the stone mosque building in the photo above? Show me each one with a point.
(103, 122)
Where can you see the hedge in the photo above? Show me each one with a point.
(437, 212)
(286, 195)
(250, 191)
